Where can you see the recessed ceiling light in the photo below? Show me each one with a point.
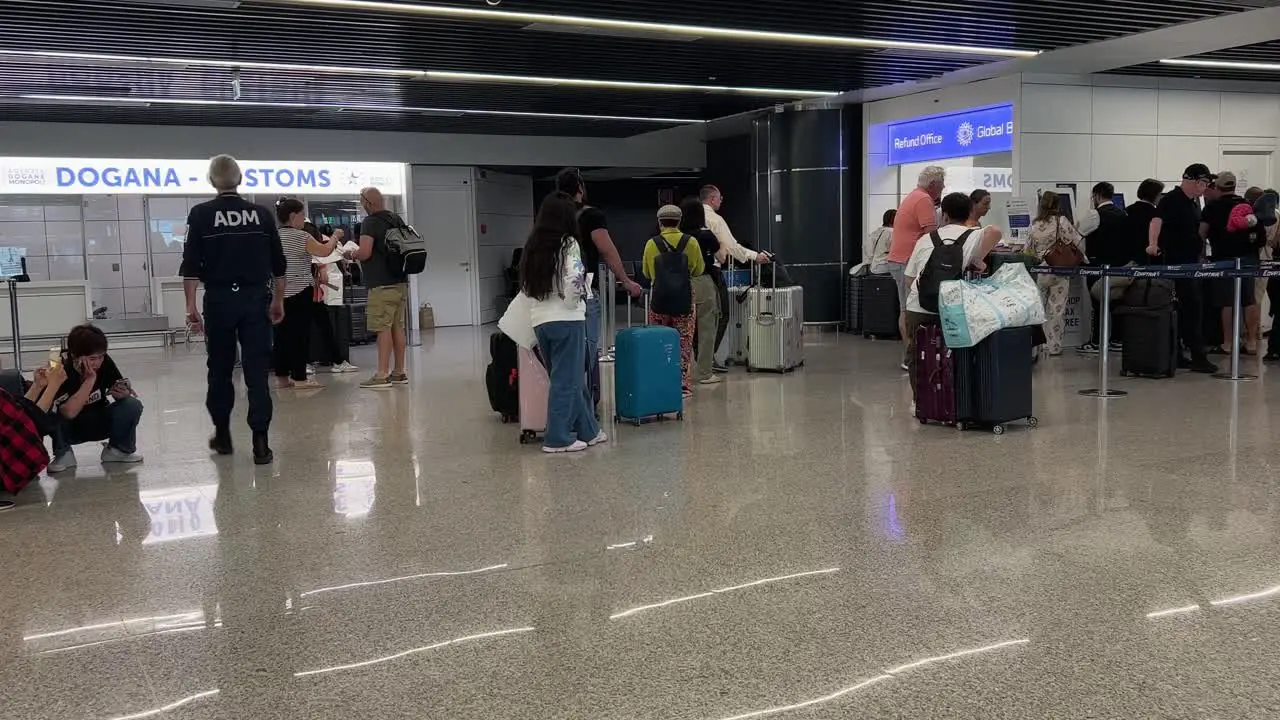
(474, 13)
(75, 100)
(133, 60)
(1224, 64)
(211, 4)
(97, 100)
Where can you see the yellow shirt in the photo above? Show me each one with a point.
(672, 237)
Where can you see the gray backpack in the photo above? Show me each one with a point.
(406, 250)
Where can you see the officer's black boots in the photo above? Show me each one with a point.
(262, 454)
(220, 443)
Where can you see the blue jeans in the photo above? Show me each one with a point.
(593, 349)
(119, 429)
(569, 407)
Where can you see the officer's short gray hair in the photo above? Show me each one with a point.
(224, 173)
(930, 175)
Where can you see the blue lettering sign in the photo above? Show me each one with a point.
(976, 131)
(114, 177)
(324, 178)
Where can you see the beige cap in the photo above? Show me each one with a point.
(1226, 180)
(670, 212)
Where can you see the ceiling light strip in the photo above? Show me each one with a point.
(472, 13)
(1223, 64)
(93, 99)
(416, 74)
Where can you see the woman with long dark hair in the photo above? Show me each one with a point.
(555, 280)
(1049, 229)
(294, 339)
(706, 295)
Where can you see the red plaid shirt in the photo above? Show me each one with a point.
(22, 453)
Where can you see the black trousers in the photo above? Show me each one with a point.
(294, 338)
(231, 316)
(1191, 315)
(722, 292)
(332, 330)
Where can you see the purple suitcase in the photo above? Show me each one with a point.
(935, 377)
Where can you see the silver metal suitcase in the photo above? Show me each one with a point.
(775, 323)
(733, 349)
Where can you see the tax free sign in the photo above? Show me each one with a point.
(81, 176)
(975, 131)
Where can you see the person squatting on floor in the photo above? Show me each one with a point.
(233, 249)
(671, 260)
(95, 403)
(553, 276)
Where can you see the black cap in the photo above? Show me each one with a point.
(1198, 171)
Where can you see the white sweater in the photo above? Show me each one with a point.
(567, 300)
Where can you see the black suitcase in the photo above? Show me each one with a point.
(355, 294)
(360, 324)
(852, 320)
(1150, 338)
(880, 307)
(501, 378)
(993, 380)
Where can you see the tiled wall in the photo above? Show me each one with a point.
(504, 216)
(1124, 130)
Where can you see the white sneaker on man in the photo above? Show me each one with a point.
(65, 461)
(112, 455)
(345, 367)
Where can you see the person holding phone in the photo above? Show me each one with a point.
(96, 402)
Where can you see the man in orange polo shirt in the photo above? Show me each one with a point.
(916, 217)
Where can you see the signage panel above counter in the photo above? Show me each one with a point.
(975, 131)
(92, 176)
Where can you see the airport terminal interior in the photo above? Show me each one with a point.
(795, 544)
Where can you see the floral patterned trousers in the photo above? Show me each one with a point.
(682, 324)
(1054, 290)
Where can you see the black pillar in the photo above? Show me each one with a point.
(804, 196)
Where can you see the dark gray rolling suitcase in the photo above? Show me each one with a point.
(879, 304)
(852, 320)
(1150, 338)
(993, 380)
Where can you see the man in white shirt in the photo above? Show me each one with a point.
(977, 245)
(711, 200)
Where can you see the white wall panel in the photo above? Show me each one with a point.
(1123, 157)
(876, 205)
(38, 268)
(504, 215)
(1174, 154)
(1125, 111)
(883, 178)
(1183, 112)
(1246, 115)
(1052, 156)
(1057, 109)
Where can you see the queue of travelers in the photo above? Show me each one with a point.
(1157, 228)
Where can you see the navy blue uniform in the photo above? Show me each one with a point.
(233, 247)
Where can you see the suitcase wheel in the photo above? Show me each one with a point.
(661, 417)
(1033, 421)
(527, 436)
(962, 426)
(997, 429)
(680, 415)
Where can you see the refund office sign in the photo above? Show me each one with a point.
(975, 131)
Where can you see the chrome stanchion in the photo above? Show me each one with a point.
(1235, 335)
(608, 313)
(15, 324)
(1104, 340)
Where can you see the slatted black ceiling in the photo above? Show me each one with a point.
(259, 30)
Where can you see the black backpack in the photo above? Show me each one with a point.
(945, 263)
(672, 283)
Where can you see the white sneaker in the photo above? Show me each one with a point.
(345, 367)
(601, 437)
(577, 446)
(112, 455)
(711, 380)
(311, 369)
(64, 462)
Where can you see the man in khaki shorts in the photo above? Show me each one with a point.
(388, 291)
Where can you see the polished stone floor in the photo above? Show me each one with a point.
(798, 547)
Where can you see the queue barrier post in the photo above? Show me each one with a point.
(1235, 333)
(1104, 339)
(15, 324)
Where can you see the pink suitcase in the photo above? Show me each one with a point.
(534, 384)
(935, 377)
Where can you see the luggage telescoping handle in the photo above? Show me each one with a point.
(764, 317)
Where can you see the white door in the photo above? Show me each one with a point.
(449, 282)
(1252, 168)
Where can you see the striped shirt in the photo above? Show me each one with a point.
(298, 276)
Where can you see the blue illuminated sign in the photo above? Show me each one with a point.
(975, 131)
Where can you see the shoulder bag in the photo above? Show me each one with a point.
(1063, 254)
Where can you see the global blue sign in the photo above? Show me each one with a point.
(975, 131)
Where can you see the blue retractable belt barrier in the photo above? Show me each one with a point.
(1220, 269)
